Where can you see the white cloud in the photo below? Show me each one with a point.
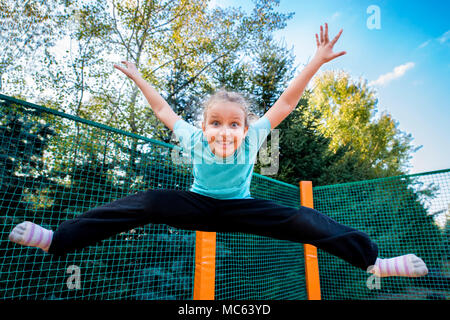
(423, 45)
(442, 39)
(335, 15)
(445, 37)
(398, 72)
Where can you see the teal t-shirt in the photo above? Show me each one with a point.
(217, 177)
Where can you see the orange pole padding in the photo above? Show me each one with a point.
(311, 261)
(205, 265)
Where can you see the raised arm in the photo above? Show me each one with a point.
(160, 106)
(291, 96)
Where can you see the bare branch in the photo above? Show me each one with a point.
(197, 75)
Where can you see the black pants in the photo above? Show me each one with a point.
(192, 211)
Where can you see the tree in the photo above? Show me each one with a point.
(273, 69)
(392, 213)
(173, 43)
(304, 152)
(348, 110)
(27, 27)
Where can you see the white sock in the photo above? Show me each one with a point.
(408, 265)
(30, 234)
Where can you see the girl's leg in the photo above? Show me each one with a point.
(306, 225)
(184, 209)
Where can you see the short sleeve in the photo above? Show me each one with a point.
(258, 132)
(186, 134)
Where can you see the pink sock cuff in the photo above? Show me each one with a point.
(396, 266)
(406, 264)
(30, 236)
(41, 234)
(49, 239)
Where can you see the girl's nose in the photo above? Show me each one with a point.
(224, 133)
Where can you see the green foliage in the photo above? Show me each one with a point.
(53, 169)
(333, 136)
(348, 110)
(271, 73)
(391, 211)
(27, 28)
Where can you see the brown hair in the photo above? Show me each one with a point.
(223, 95)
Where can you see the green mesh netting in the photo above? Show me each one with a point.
(406, 214)
(261, 268)
(54, 166)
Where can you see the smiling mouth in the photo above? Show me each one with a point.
(224, 144)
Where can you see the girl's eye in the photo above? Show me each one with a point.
(235, 124)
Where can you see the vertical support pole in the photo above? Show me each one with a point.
(311, 261)
(205, 265)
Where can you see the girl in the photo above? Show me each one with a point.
(223, 154)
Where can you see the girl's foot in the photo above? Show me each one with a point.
(30, 234)
(408, 265)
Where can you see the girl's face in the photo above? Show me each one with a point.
(224, 128)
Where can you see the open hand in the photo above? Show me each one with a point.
(325, 47)
(131, 70)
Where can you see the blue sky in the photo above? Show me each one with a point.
(405, 58)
